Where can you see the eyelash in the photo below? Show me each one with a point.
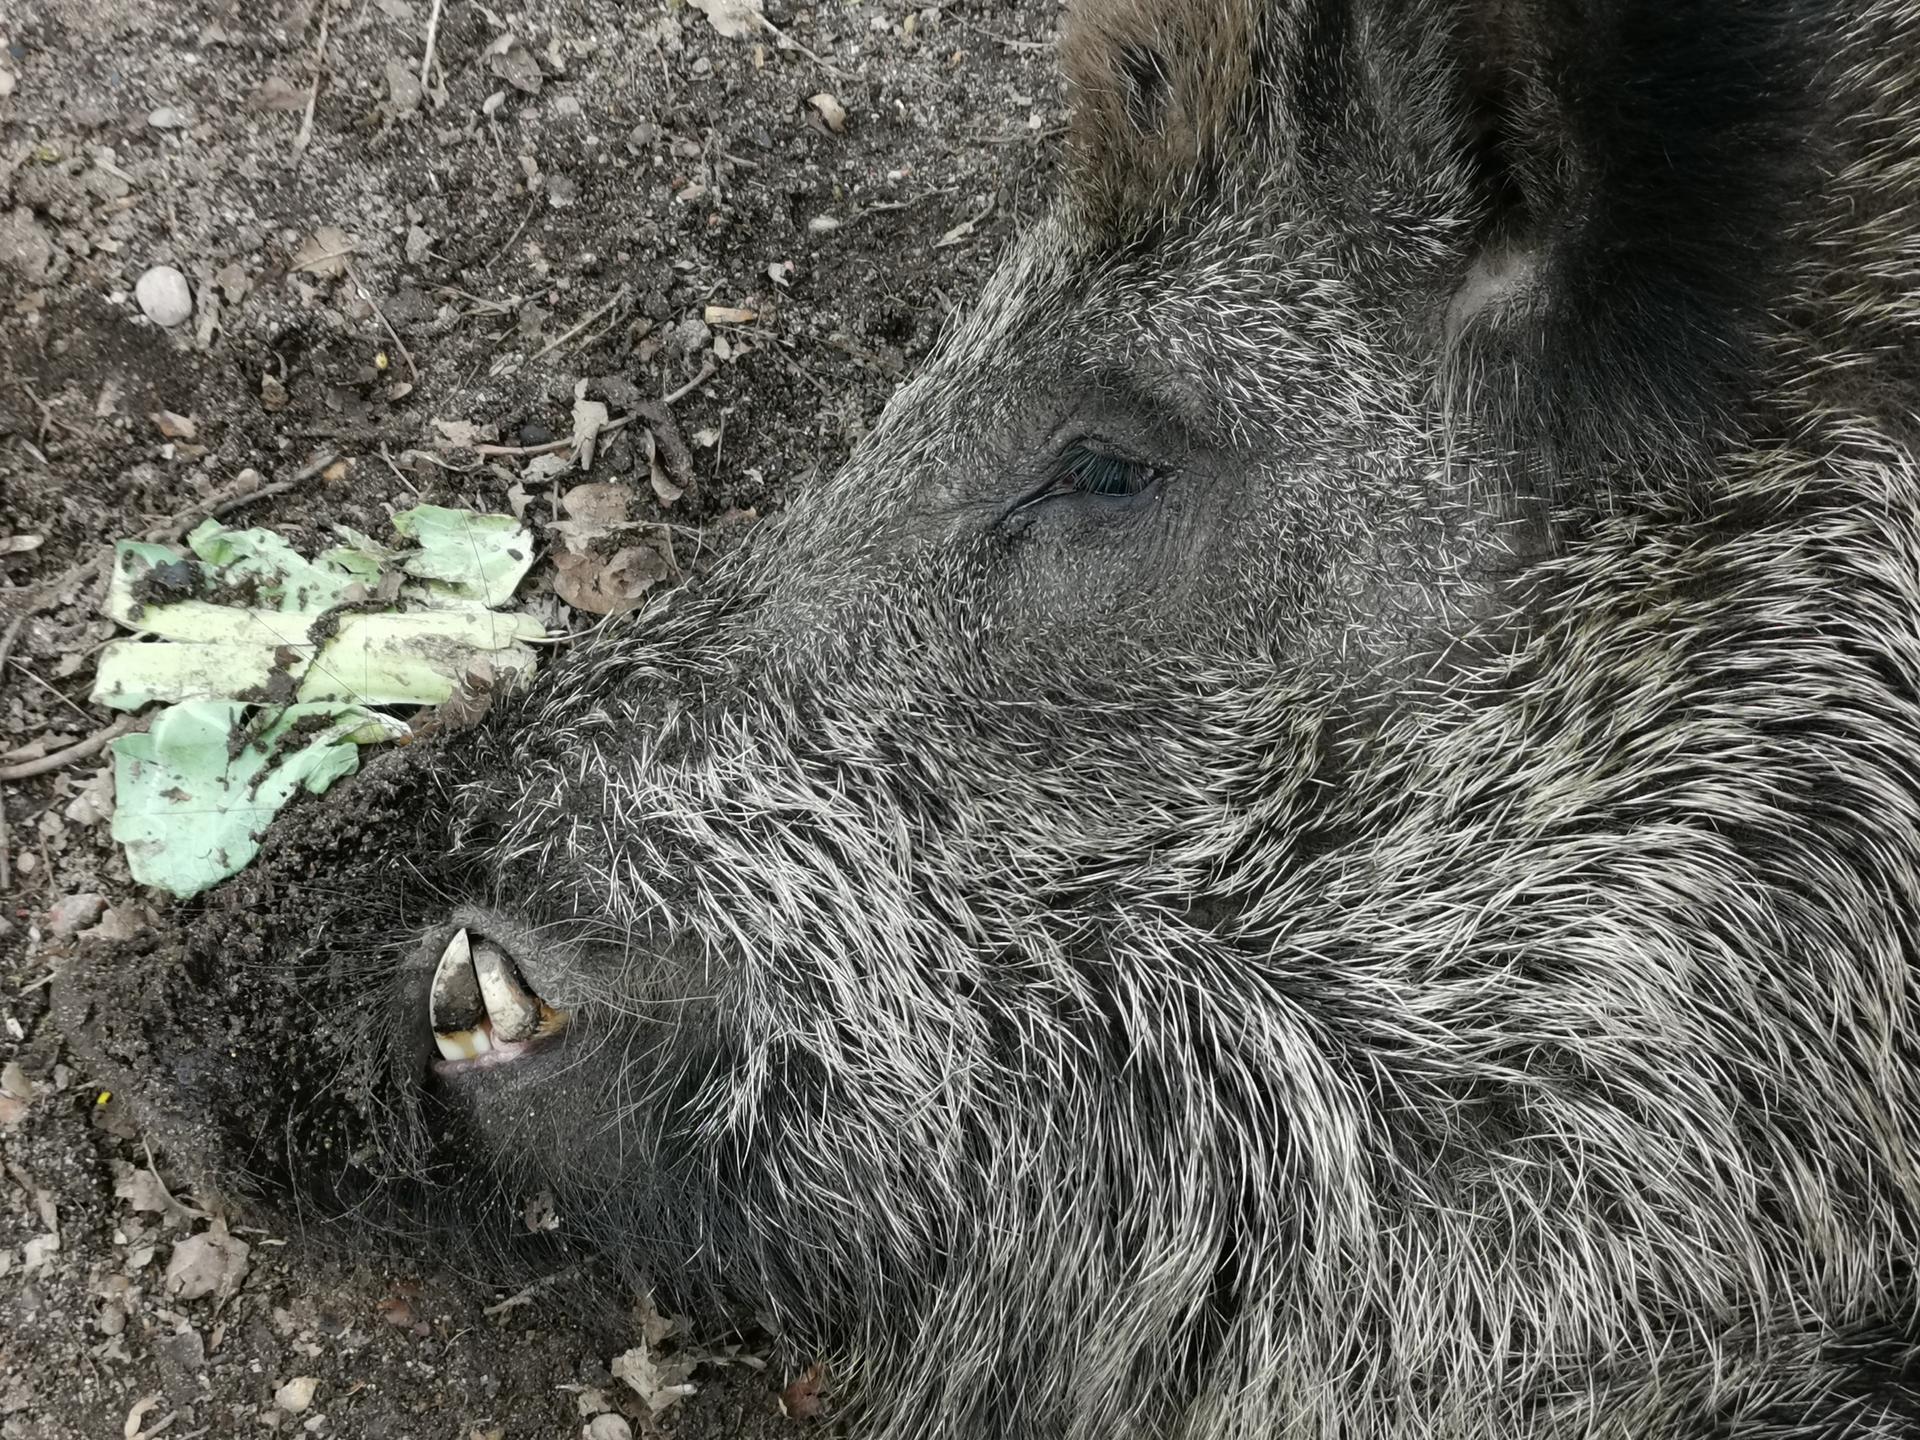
(1093, 472)
(1079, 469)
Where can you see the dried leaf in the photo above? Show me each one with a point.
(593, 510)
(659, 1383)
(589, 419)
(732, 18)
(276, 94)
(544, 469)
(233, 280)
(540, 1213)
(514, 63)
(324, 252)
(609, 586)
(665, 489)
(801, 1400)
(470, 702)
(147, 1194)
(210, 1263)
(132, 1429)
(656, 1329)
(456, 434)
(398, 1312)
(831, 112)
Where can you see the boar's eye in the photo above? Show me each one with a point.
(1081, 468)
(1087, 471)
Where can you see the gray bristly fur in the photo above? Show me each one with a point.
(1407, 928)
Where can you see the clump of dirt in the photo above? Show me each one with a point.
(411, 269)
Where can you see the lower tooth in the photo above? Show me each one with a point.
(462, 1044)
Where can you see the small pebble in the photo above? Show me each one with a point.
(164, 296)
(608, 1427)
(75, 912)
(689, 337)
(296, 1395)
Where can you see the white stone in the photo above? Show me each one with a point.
(163, 296)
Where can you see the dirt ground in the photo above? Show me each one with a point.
(387, 278)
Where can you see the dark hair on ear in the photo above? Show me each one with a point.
(1645, 158)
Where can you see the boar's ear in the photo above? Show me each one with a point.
(1637, 161)
(1158, 90)
(1627, 165)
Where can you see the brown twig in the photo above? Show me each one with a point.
(47, 418)
(433, 34)
(305, 137)
(175, 527)
(1011, 137)
(51, 689)
(551, 447)
(413, 371)
(656, 420)
(398, 473)
(487, 264)
(79, 750)
(1007, 40)
(32, 750)
(555, 344)
(427, 457)
(153, 1168)
(707, 371)
(786, 39)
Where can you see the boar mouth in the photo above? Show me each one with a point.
(480, 1009)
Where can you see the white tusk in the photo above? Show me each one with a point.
(455, 1003)
(515, 1013)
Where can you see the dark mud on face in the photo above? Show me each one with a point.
(278, 1039)
(232, 1038)
(278, 1043)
